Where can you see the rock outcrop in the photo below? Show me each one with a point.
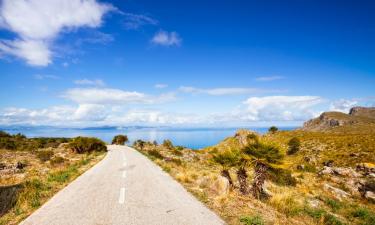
(329, 120)
(368, 112)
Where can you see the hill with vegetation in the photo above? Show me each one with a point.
(323, 173)
(32, 170)
(359, 119)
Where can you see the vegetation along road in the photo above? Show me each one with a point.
(124, 188)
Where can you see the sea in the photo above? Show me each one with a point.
(195, 138)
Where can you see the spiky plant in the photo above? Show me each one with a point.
(263, 156)
(227, 159)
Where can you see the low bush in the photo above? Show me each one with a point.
(57, 160)
(252, 220)
(4, 134)
(282, 177)
(44, 155)
(293, 146)
(154, 153)
(168, 144)
(333, 204)
(7, 143)
(120, 139)
(367, 216)
(177, 152)
(86, 145)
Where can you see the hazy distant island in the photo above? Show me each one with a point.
(323, 172)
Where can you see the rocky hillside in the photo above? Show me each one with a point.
(357, 117)
(363, 112)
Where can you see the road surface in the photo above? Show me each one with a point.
(124, 188)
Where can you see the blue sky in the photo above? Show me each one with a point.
(193, 63)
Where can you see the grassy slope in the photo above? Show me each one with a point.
(289, 204)
(41, 180)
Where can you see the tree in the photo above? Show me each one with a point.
(139, 144)
(294, 146)
(263, 156)
(120, 139)
(273, 129)
(227, 159)
(168, 144)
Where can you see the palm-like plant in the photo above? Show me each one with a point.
(227, 159)
(263, 156)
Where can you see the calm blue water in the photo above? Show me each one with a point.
(195, 138)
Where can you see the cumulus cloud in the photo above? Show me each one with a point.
(110, 96)
(96, 82)
(225, 91)
(280, 108)
(165, 38)
(269, 78)
(38, 22)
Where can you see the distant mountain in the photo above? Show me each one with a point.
(357, 117)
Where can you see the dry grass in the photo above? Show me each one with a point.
(41, 179)
(305, 203)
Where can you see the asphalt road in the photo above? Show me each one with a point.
(124, 188)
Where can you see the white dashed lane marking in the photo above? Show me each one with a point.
(121, 199)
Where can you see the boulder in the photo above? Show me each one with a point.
(369, 195)
(338, 193)
(339, 171)
(366, 168)
(220, 186)
(326, 171)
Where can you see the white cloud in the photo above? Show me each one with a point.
(161, 86)
(225, 91)
(343, 105)
(45, 76)
(96, 82)
(166, 38)
(92, 114)
(280, 108)
(38, 22)
(35, 52)
(269, 78)
(109, 96)
(134, 21)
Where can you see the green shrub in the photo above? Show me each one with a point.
(154, 153)
(4, 134)
(120, 139)
(252, 220)
(57, 160)
(86, 145)
(7, 143)
(293, 146)
(365, 215)
(63, 176)
(273, 129)
(168, 144)
(282, 177)
(44, 155)
(330, 219)
(178, 162)
(177, 152)
(333, 204)
(315, 213)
